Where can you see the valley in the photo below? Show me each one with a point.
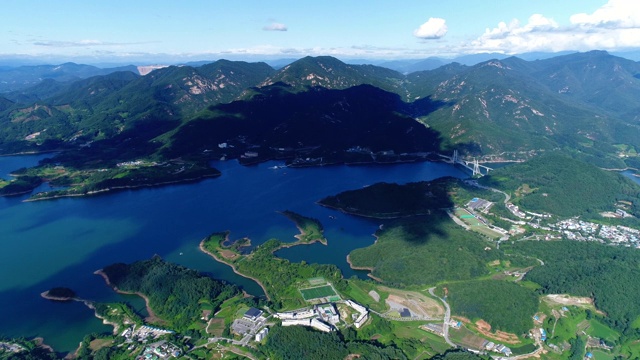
(496, 264)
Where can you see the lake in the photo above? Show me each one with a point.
(62, 242)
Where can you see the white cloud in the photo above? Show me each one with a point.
(275, 27)
(82, 43)
(614, 26)
(434, 28)
(615, 14)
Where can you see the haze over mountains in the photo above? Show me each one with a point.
(584, 103)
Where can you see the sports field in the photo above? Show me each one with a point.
(468, 218)
(475, 224)
(317, 292)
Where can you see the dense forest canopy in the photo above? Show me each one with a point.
(607, 274)
(174, 292)
(425, 250)
(504, 305)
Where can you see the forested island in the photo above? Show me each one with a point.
(59, 294)
(72, 181)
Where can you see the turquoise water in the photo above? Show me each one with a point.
(629, 174)
(62, 242)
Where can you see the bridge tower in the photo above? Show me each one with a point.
(455, 158)
(476, 168)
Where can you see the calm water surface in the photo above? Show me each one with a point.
(62, 242)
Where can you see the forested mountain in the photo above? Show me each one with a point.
(104, 107)
(320, 120)
(583, 103)
(595, 79)
(503, 106)
(331, 73)
(17, 78)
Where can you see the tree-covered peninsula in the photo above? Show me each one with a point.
(175, 293)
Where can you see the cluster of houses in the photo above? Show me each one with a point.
(438, 328)
(131, 163)
(160, 350)
(11, 347)
(516, 211)
(574, 229)
(143, 333)
(499, 348)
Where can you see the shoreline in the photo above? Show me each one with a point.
(32, 152)
(117, 188)
(152, 315)
(87, 303)
(204, 250)
(322, 240)
(366, 268)
(116, 327)
(319, 202)
(45, 295)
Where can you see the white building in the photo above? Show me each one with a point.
(319, 325)
(262, 334)
(364, 313)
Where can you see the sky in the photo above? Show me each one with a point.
(171, 31)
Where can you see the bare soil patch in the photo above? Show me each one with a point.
(564, 299)
(484, 328)
(418, 303)
(228, 254)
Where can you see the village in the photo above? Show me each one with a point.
(569, 229)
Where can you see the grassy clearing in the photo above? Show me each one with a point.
(216, 326)
(603, 355)
(317, 292)
(599, 330)
(631, 350)
(98, 344)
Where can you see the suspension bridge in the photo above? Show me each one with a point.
(473, 166)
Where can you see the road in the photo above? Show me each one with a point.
(447, 318)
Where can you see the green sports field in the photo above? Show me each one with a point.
(317, 292)
(475, 224)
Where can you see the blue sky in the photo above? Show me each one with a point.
(146, 31)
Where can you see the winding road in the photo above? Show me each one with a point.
(447, 317)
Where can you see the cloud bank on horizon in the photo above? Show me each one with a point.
(614, 26)
(343, 30)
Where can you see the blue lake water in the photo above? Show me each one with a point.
(62, 242)
(630, 175)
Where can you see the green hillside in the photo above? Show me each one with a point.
(425, 251)
(572, 267)
(505, 305)
(563, 186)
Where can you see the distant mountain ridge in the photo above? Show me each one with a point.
(583, 102)
(12, 79)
